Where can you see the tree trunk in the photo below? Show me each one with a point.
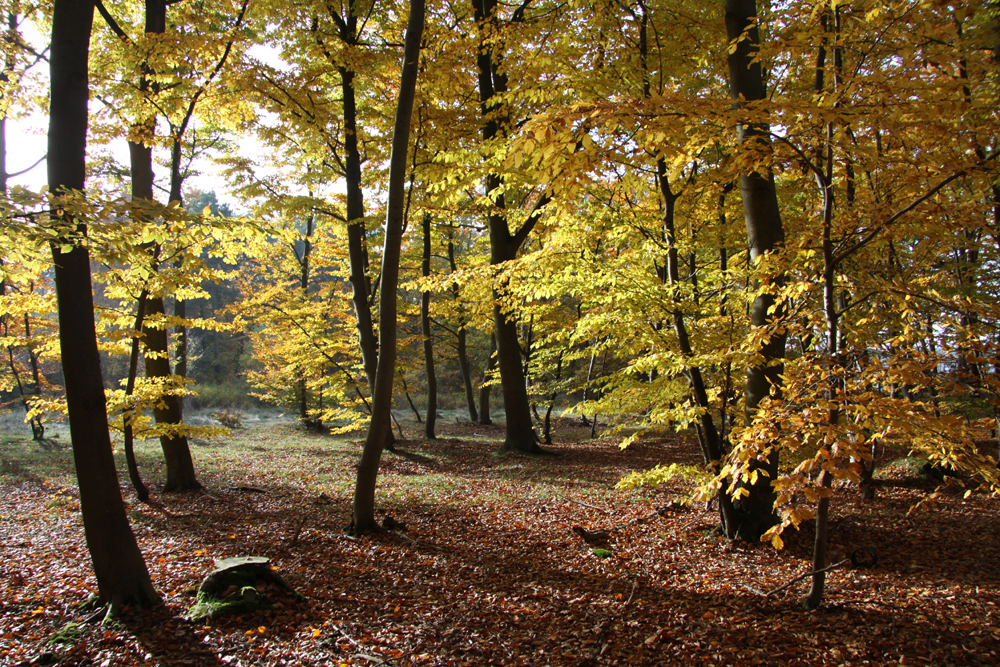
(463, 355)
(379, 429)
(357, 251)
(425, 329)
(520, 432)
(128, 415)
(712, 450)
(121, 572)
(176, 453)
(484, 390)
(754, 513)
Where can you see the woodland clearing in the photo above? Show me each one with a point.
(488, 570)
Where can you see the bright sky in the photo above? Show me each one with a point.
(26, 143)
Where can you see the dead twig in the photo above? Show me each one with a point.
(593, 507)
(170, 515)
(295, 538)
(345, 635)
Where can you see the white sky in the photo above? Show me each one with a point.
(26, 143)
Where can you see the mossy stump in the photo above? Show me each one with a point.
(236, 586)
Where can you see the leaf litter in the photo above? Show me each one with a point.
(488, 569)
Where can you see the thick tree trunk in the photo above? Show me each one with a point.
(176, 453)
(520, 432)
(363, 518)
(754, 513)
(121, 572)
(425, 330)
(485, 389)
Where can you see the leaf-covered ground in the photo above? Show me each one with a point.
(488, 571)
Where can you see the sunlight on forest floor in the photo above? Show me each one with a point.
(488, 571)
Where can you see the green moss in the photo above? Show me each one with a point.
(67, 634)
(602, 553)
(212, 607)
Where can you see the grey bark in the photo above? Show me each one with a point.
(363, 518)
(754, 513)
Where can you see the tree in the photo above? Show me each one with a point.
(753, 510)
(363, 516)
(121, 572)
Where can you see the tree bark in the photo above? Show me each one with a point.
(363, 518)
(485, 389)
(176, 453)
(461, 335)
(121, 572)
(520, 432)
(754, 513)
(425, 330)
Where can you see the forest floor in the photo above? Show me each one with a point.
(488, 571)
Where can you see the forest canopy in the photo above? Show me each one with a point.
(775, 225)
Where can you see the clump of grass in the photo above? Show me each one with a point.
(231, 419)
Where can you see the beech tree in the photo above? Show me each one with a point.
(121, 572)
(753, 510)
(363, 516)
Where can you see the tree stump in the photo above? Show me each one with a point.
(236, 586)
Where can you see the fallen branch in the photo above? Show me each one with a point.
(295, 538)
(593, 507)
(673, 505)
(345, 635)
(249, 489)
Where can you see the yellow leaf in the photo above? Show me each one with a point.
(207, 210)
(777, 542)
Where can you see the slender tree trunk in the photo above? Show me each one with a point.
(712, 450)
(176, 453)
(463, 355)
(363, 518)
(121, 572)
(754, 513)
(357, 250)
(425, 329)
(128, 415)
(484, 390)
(304, 266)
